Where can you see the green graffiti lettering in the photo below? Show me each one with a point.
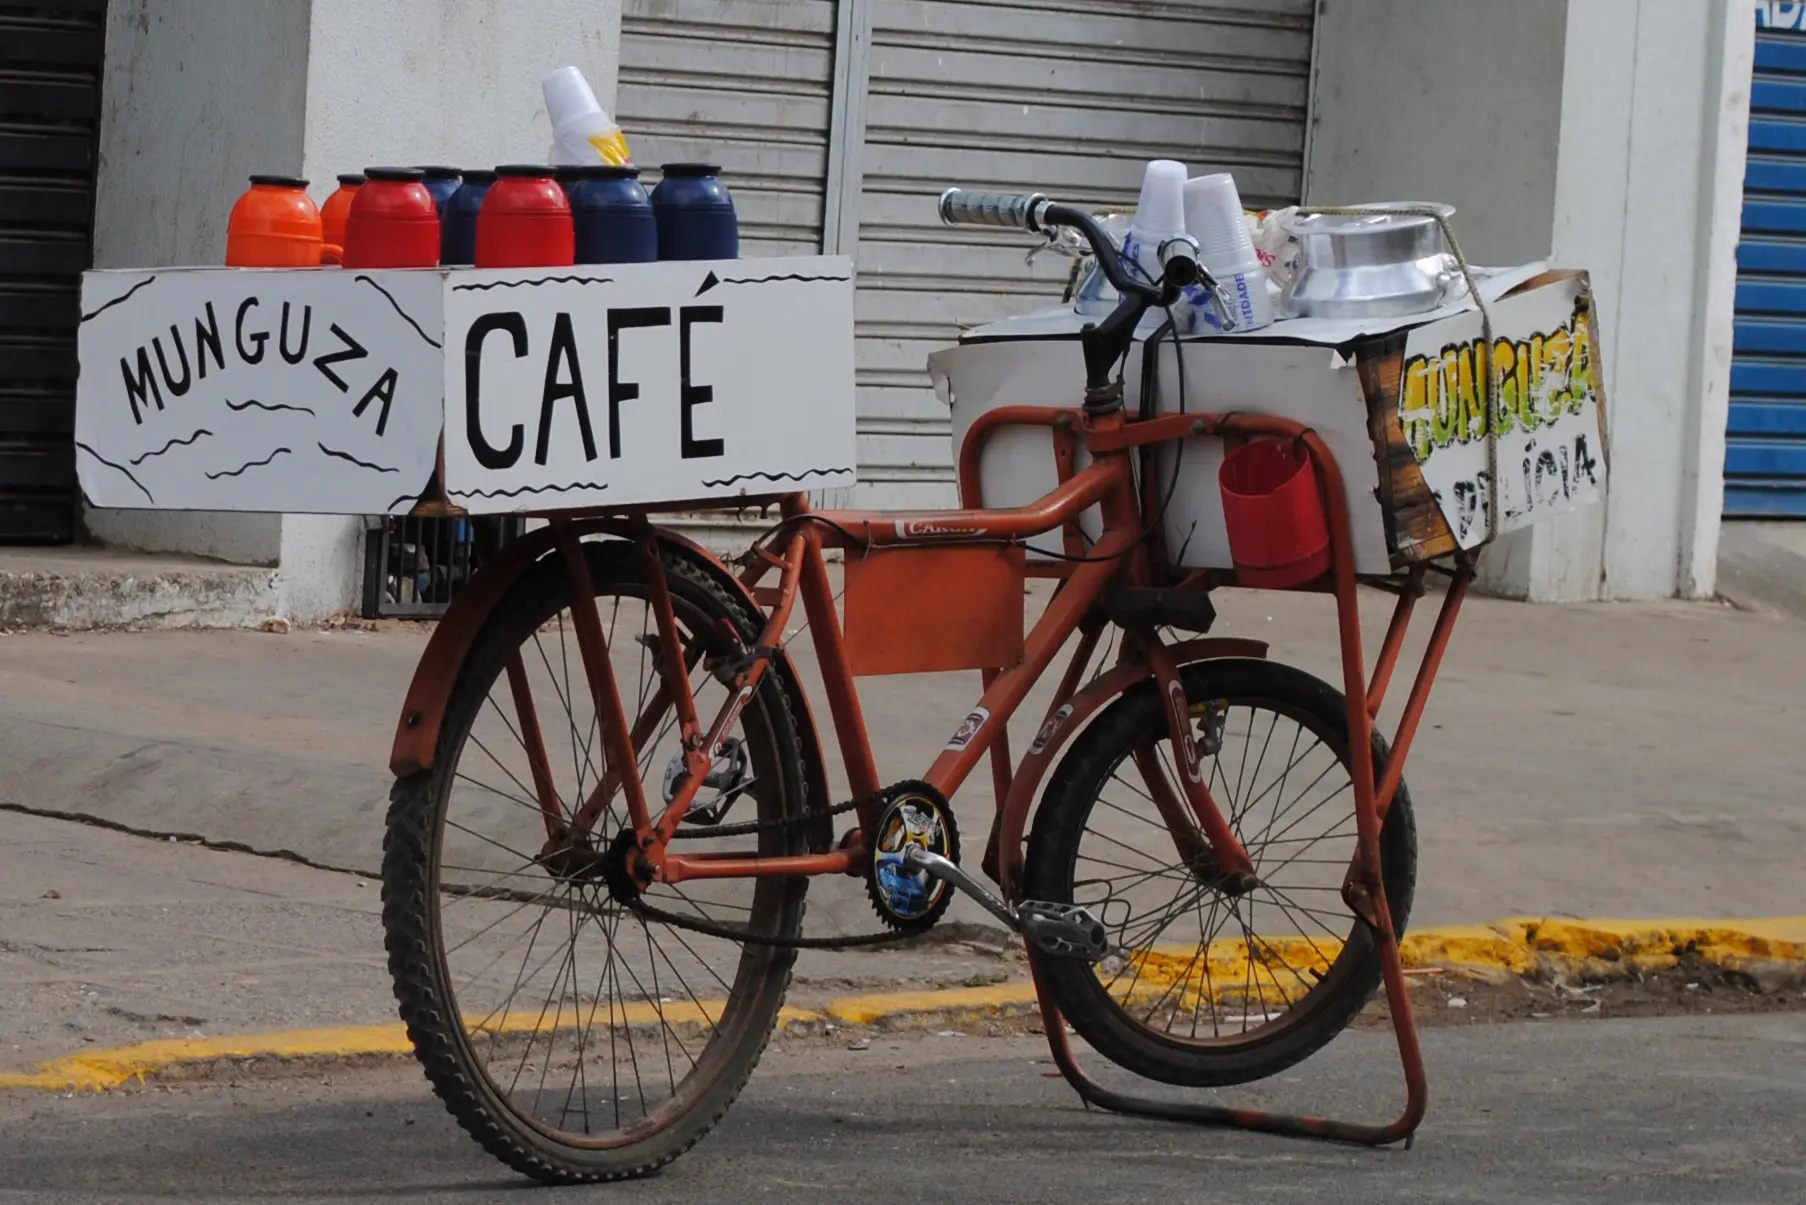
(1414, 409)
(1504, 366)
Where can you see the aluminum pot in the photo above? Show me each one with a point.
(1369, 266)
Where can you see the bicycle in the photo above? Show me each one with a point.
(690, 948)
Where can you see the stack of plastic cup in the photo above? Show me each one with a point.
(1213, 216)
(1159, 215)
(582, 131)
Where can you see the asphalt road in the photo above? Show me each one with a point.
(1702, 1109)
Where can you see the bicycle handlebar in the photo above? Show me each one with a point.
(1019, 210)
(1036, 214)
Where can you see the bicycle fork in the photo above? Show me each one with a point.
(1224, 861)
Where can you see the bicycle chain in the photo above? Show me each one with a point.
(707, 928)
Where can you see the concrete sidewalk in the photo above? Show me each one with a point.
(109, 940)
(1639, 761)
(1615, 760)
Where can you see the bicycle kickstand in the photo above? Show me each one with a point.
(1288, 1125)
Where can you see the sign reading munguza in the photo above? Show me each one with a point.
(335, 391)
(221, 389)
(1548, 429)
(628, 384)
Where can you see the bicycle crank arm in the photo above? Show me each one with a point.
(1064, 930)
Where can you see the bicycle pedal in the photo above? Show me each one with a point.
(1063, 930)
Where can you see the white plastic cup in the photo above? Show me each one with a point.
(1161, 210)
(1213, 216)
(1250, 301)
(1159, 214)
(576, 114)
(582, 130)
(569, 97)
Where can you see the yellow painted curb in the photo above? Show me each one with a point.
(976, 1001)
(1515, 946)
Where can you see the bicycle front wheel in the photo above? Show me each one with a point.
(1208, 988)
(572, 1038)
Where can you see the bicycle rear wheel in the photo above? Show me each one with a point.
(575, 1040)
(1212, 989)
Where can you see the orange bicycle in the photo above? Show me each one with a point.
(611, 792)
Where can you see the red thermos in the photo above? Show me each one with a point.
(525, 221)
(393, 222)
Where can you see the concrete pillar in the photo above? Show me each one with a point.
(1458, 101)
(199, 95)
(1649, 182)
(1602, 134)
(195, 97)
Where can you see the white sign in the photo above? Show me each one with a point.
(328, 391)
(1550, 432)
(258, 390)
(628, 384)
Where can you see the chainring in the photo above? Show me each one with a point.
(911, 902)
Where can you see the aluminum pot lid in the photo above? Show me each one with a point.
(1340, 224)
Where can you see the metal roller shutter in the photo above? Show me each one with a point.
(1765, 443)
(50, 61)
(742, 83)
(1065, 97)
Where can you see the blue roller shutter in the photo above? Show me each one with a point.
(1765, 452)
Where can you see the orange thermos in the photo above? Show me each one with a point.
(274, 225)
(334, 213)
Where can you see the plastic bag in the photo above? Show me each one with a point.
(1277, 250)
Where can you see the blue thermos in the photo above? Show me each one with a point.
(614, 217)
(695, 214)
(442, 182)
(458, 229)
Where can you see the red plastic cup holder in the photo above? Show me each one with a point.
(1273, 508)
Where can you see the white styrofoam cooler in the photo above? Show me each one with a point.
(1304, 382)
(1298, 370)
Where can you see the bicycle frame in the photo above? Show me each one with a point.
(1125, 551)
(1129, 552)
(1119, 553)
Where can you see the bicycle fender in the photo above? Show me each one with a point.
(423, 710)
(1066, 722)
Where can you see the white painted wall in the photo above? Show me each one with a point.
(425, 81)
(202, 93)
(1633, 173)
(197, 96)
(1456, 101)
(1649, 199)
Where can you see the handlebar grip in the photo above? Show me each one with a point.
(1019, 210)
